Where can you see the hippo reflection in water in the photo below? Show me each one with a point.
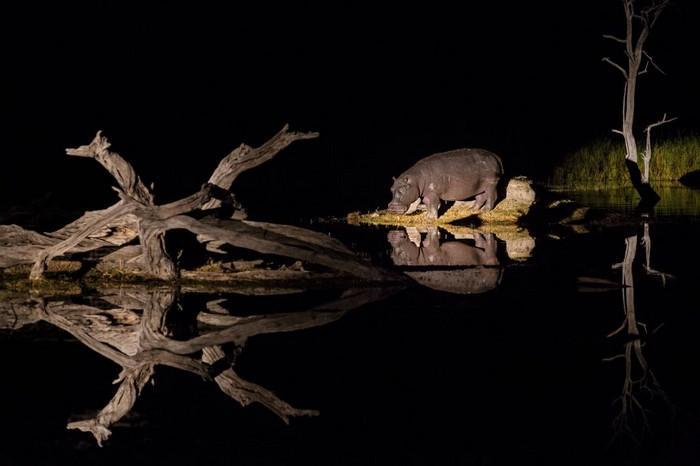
(452, 266)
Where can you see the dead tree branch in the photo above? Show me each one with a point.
(646, 157)
(137, 215)
(245, 157)
(653, 63)
(122, 171)
(615, 65)
(616, 39)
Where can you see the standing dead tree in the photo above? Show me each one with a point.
(638, 25)
(136, 215)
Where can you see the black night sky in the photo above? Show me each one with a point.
(177, 87)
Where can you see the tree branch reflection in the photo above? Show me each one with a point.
(134, 333)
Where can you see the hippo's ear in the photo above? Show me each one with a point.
(393, 178)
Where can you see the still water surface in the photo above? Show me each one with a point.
(574, 348)
(675, 200)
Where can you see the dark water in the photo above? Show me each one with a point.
(499, 354)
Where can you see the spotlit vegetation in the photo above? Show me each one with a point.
(601, 164)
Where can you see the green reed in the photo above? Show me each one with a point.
(601, 164)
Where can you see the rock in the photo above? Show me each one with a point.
(520, 248)
(691, 179)
(578, 215)
(520, 189)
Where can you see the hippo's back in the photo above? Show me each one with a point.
(460, 281)
(463, 161)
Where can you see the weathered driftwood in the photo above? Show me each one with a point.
(134, 335)
(136, 215)
(266, 238)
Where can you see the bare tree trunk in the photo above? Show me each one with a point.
(628, 115)
(154, 258)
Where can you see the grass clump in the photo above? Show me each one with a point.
(508, 211)
(601, 164)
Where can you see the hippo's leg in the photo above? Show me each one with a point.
(413, 235)
(413, 207)
(490, 196)
(432, 238)
(432, 203)
(480, 240)
(485, 241)
(480, 201)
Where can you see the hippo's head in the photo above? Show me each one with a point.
(403, 250)
(404, 193)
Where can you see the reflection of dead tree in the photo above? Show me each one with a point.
(628, 400)
(136, 215)
(138, 343)
(646, 242)
(639, 378)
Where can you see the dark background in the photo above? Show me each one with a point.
(176, 87)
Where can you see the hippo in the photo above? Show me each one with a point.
(451, 266)
(456, 175)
